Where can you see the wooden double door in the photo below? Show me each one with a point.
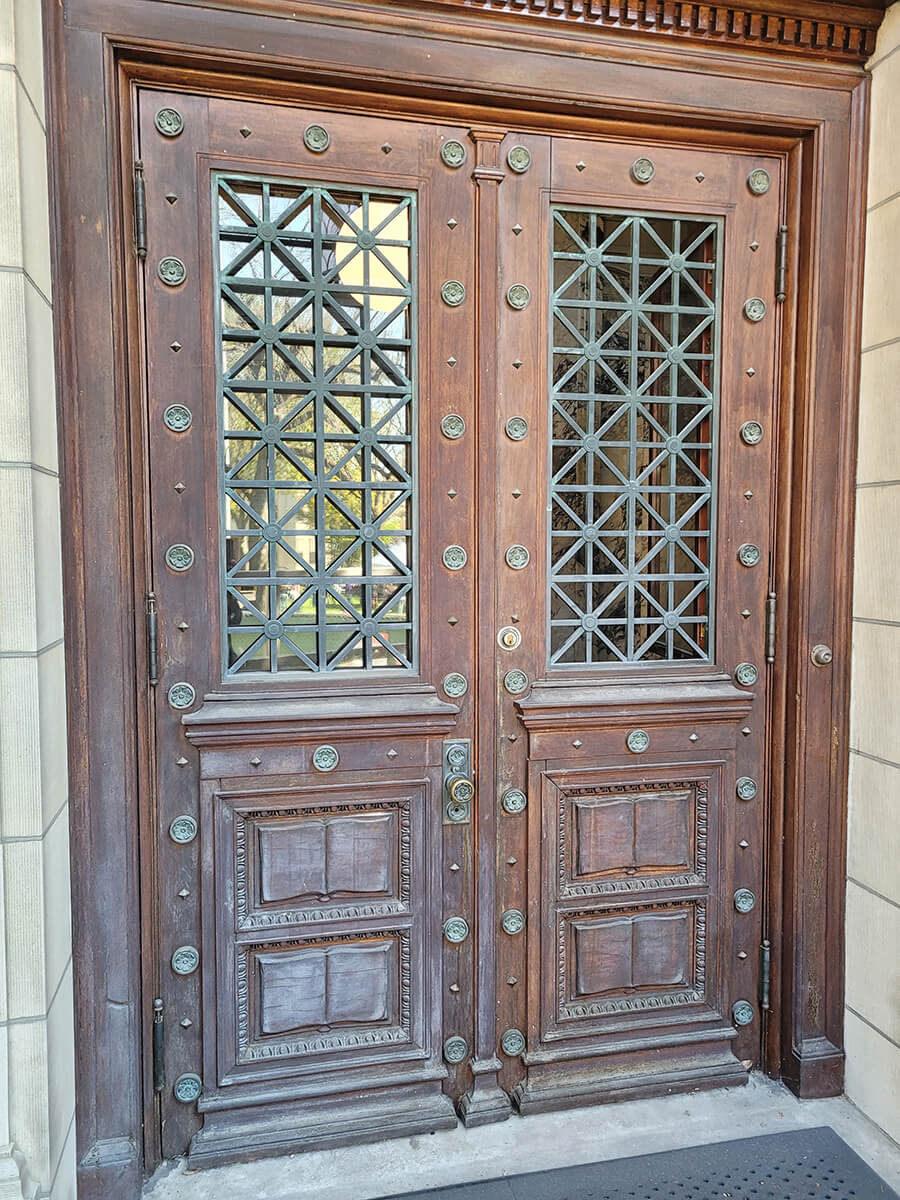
(460, 451)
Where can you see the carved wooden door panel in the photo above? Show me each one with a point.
(459, 461)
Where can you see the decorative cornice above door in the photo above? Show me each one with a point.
(837, 32)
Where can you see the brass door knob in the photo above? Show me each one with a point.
(821, 655)
(461, 789)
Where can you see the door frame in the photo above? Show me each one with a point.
(788, 80)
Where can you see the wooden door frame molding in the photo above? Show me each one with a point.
(591, 70)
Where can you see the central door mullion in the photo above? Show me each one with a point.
(486, 1101)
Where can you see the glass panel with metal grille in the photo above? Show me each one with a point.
(316, 325)
(634, 381)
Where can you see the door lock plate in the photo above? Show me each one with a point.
(458, 788)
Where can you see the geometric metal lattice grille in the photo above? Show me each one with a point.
(634, 397)
(317, 341)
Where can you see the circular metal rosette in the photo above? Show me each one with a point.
(183, 830)
(519, 159)
(642, 170)
(513, 921)
(453, 426)
(181, 695)
(454, 558)
(178, 418)
(453, 153)
(455, 685)
(517, 557)
(187, 1088)
(169, 122)
(457, 757)
(751, 433)
(456, 930)
(455, 1049)
(180, 557)
(638, 741)
(453, 292)
(746, 788)
(512, 1042)
(514, 801)
(518, 296)
(171, 271)
(516, 428)
(742, 1012)
(755, 308)
(744, 900)
(515, 682)
(748, 554)
(316, 138)
(185, 960)
(325, 758)
(759, 181)
(746, 674)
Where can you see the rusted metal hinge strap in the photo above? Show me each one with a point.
(140, 211)
(770, 628)
(765, 975)
(781, 265)
(152, 641)
(159, 1038)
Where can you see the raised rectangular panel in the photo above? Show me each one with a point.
(323, 995)
(323, 857)
(621, 836)
(621, 953)
(636, 960)
(315, 986)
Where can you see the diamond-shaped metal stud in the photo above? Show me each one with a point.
(754, 246)
(182, 625)
(175, 347)
(699, 176)
(451, 361)
(452, 223)
(392, 753)
(244, 131)
(454, 988)
(181, 762)
(517, 229)
(745, 613)
(516, 493)
(179, 487)
(171, 197)
(743, 843)
(454, 867)
(742, 954)
(386, 148)
(693, 738)
(517, 363)
(453, 620)
(751, 371)
(255, 760)
(511, 862)
(186, 1022)
(748, 495)
(579, 166)
(184, 893)
(746, 731)
(578, 742)
(453, 493)
(512, 981)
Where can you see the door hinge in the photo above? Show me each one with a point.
(781, 265)
(152, 641)
(770, 628)
(140, 211)
(159, 1045)
(765, 975)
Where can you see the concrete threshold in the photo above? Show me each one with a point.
(534, 1143)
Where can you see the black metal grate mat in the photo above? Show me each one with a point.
(781, 1166)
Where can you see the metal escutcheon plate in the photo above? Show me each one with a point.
(514, 801)
(746, 788)
(512, 1042)
(746, 674)
(183, 830)
(638, 741)
(185, 960)
(515, 682)
(744, 900)
(456, 929)
(187, 1088)
(325, 758)
(453, 426)
(513, 921)
(453, 153)
(181, 695)
(454, 558)
(742, 1012)
(455, 1049)
(455, 685)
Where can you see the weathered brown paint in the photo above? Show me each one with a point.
(814, 133)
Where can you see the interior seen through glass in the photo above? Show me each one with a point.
(317, 341)
(633, 399)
